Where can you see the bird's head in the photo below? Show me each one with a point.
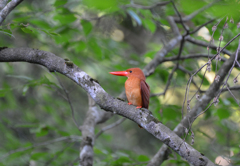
(132, 72)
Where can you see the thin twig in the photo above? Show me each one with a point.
(190, 79)
(213, 29)
(168, 82)
(205, 45)
(233, 96)
(48, 162)
(69, 101)
(110, 127)
(189, 73)
(146, 7)
(230, 71)
(199, 89)
(180, 17)
(199, 27)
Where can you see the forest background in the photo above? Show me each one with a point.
(48, 119)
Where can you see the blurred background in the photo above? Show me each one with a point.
(36, 124)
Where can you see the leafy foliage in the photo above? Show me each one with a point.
(33, 107)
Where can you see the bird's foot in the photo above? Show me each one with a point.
(139, 107)
(129, 103)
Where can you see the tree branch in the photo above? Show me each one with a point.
(110, 127)
(190, 56)
(147, 7)
(69, 102)
(8, 8)
(3, 4)
(192, 15)
(88, 135)
(143, 117)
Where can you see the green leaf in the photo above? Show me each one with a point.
(87, 27)
(171, 112)
(65, 19)
(59, 3)
(93, 45)
(20, 154)
(80, 46)
(149, 24)
(40, 23)
(63, 133)
(99, 151)
(151, 54)
(101, 5)
(27, 30)
(121, 160)
(223, 113)
(38, 155)
(2, 92)
(163, 73)
(43, 81)
(20, 77)
(143, 158)
(42, 130)
(53, 34)
(205, 81)
(7, 32)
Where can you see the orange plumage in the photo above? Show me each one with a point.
(137, 90)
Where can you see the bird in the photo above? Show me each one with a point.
(137, 90)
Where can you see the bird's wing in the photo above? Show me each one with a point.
(145, 92)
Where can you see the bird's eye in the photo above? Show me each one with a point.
(130, 71)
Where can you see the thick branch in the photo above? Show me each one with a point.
(143, 117)
(7, 9)
(88, 135)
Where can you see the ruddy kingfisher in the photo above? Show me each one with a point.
(137, 90)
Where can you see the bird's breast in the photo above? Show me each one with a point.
(133, 91)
